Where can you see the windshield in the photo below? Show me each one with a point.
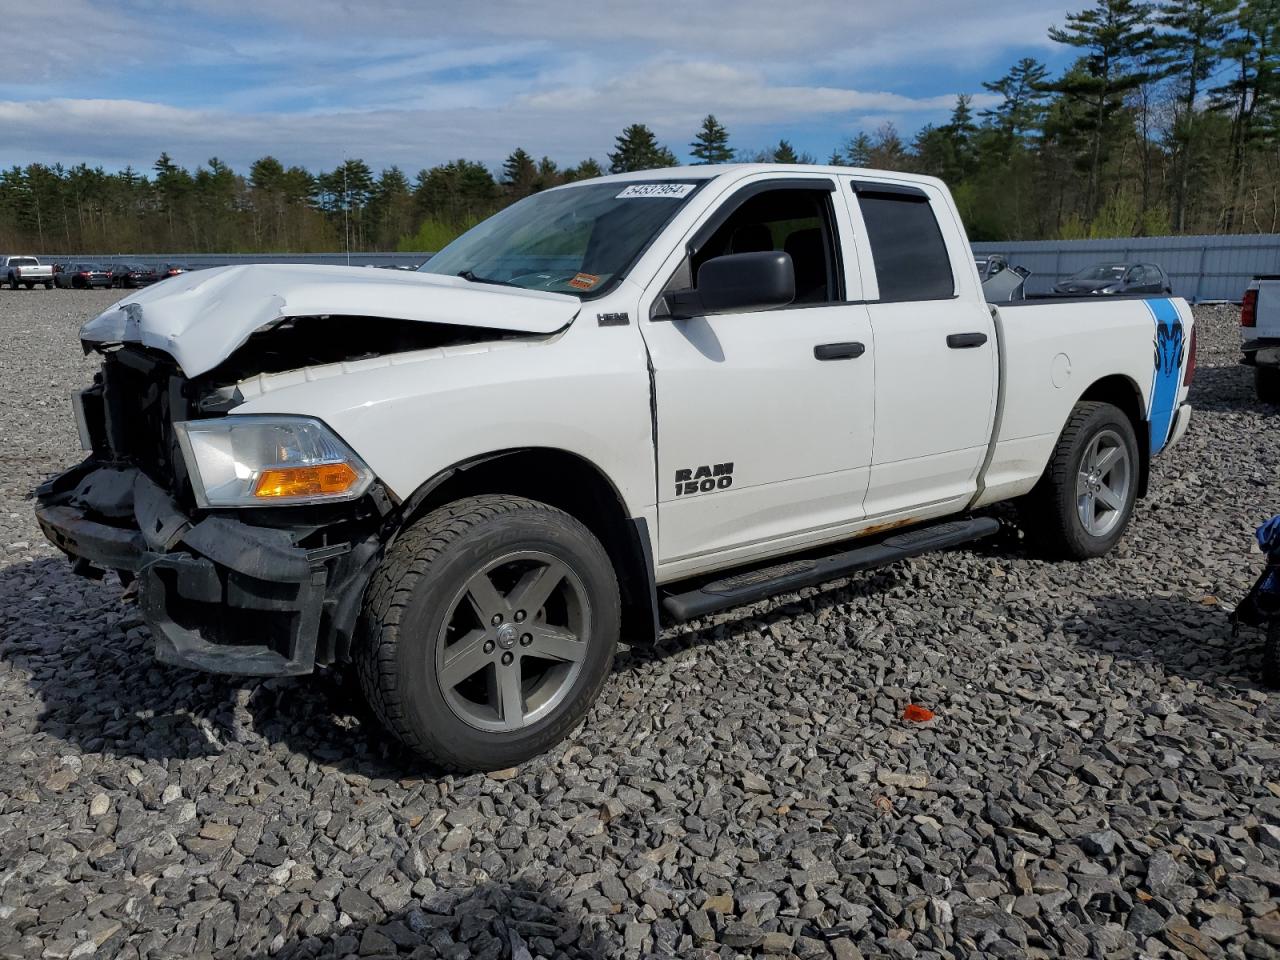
(24, 262)
(576, 240)
(1103, 271)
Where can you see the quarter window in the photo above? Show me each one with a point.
(910, 255)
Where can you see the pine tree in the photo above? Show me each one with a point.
(1189, 49)
(1252, 96)
(587, 169)
(636, 148)
(1117, 38)
(711, 145)
(785, 153)
(1023, 105)
(519, 173)
(857, 150)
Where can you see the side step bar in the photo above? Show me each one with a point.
(742, 588)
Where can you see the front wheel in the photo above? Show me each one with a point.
(1266, 381)
(488, 631)
(1084, 501)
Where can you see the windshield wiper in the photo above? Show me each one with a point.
(471, 277)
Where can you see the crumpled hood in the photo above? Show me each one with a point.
(200, 318)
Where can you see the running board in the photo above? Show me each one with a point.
(785, 577)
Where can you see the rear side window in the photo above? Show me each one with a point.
(907, 246)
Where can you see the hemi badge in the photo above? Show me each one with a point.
(613, 319)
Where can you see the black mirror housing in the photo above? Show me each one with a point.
(737, 282)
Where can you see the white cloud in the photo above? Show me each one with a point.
(394, 82)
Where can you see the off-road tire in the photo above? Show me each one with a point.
(1266, 381)
(409, 597)
(1048, 513)
(1271, 656)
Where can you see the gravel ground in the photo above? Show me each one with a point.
(1101, 777)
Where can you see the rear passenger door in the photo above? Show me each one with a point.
(935, 351)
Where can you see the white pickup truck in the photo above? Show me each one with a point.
(25, 271)
(618, 403)
(1260, 333)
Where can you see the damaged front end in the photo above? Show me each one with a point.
(270, 590)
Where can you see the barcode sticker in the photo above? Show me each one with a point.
(673, 190)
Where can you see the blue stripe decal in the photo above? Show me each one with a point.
(1167, 376)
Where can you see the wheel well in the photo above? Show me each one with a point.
(1123, 393)
(579, 488)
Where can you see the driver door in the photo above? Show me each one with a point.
(764, 418)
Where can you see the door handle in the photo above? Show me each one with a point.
(960, 341)
(838, 351)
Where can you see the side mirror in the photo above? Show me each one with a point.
(737, 283)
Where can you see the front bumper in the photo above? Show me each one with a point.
(220, 594)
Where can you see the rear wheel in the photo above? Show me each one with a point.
(1083, 503)
(488, 631)
(1266, 381)
(13, 282)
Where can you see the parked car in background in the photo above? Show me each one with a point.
(132, 275)
(1260, 335)
(1115, 278)
(1001, 283)
(25, 271)
(170, 270)
(82, 276)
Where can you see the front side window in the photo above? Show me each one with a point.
(906, 244)
(578, 239)
(791, 221)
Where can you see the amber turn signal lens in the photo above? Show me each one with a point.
(329, 478)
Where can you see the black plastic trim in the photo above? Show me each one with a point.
(734, 200)
(839, 351)
(748, 587)
(871, 188)
(1040, 299)
(639, 530)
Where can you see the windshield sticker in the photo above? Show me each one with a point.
(584, 281)
(673, 190)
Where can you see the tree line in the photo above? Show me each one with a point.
(1167, 121)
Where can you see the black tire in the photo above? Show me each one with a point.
(29, 286)
(48, 286)
(13, 282)
(1266, 381)
(1050, 514)
(412, 600)
(1271, 656)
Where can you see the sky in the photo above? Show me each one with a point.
(312, 82)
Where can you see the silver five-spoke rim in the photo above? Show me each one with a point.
(1102, 487)
(513, 641)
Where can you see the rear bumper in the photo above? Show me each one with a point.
(220, 595)
(1181, 420)
(1264, 352)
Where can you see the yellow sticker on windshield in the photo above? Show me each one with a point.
(584, 281)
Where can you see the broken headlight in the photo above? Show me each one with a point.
(259, 461)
